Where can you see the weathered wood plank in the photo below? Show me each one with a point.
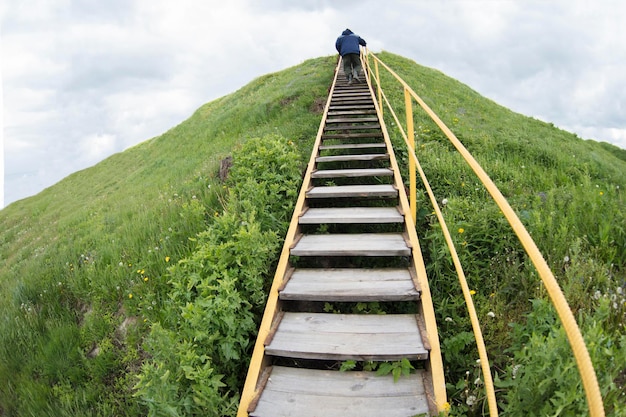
(347, 215)
(358, 244)
(353, 135)
(337, 107)
(348, 336)
(352, 127)
(353, 191)
(358, 157)
(352, 173)
(354, 146)
(352, 120)
(350, 284)
(351, 112)
(293, 392)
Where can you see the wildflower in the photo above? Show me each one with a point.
(597, 295)
(444, 201)
(515, 369)
(449, 319)
(493, 294)
(446, 407)
(472, 292)
(167, 259)
(145, 279)
(566, 259)
(601, 192)
(461, 230)
(130, 296)
(491, 314)
(478, 381)
(471, 399)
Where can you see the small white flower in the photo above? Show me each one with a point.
(470, 400)
(478, 381)
(444, 201)
(566, 259)
(120, 264)
(449, 319)
(491, 314)
(597, 295)
(619, 290)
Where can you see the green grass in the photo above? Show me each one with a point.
(149, 221)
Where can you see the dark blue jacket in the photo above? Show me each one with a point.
(348, 43)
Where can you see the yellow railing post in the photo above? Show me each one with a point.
(577, 343)
(378, 88)
(411, 137)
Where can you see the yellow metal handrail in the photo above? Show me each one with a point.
(581, 354)
(414, 164)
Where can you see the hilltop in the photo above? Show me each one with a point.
(92, 269)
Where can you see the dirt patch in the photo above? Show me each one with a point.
(318, 105)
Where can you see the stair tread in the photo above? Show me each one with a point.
(352, 120)
(343, 173)
(350, 284)
(358, 157)
(354, 146)
(334, 215)
(378, 190)
(312, 392)
(348, 336)
(354, 244)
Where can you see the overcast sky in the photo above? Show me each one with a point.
(83, 79)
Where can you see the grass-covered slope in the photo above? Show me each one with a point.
(569, 193)
(124, 287)
(70, 257)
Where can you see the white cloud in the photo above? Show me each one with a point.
(84, 79)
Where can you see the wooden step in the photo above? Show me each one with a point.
(363, 337)
(353, 146)
(356, 244)
(352, 127)
(353, 191)
(354, 93)
(357, 135)
(349, 158)
(347, 215)
(350, 285)
(352, 173)
(351, 112)
(353, 120)
(356, 107)
(314, 393)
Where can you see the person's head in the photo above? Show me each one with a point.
(347, 32)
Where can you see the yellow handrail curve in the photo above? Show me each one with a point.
(271, 307)
(427, 310)
(482, 350)
(581, 354)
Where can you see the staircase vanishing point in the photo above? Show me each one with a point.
(351, 248)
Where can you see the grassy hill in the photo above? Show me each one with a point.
(134, 287)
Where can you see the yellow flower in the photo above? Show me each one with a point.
(167, 259)
(130, 296)
(472, 292)
(461, 230)
(145, 279)
(601, 192)
(446, 407)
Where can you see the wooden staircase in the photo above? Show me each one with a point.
(352, 247)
